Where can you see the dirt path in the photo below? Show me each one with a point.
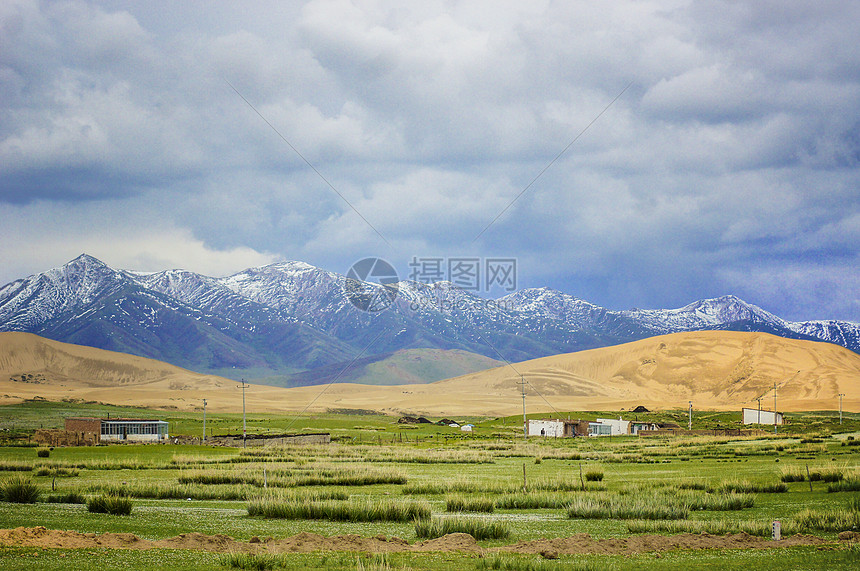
(455, 542)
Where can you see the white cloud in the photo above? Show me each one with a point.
(39, 238)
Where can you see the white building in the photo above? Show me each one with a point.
(598, 429)
(756, 416)
(616, 427)
(552, 428)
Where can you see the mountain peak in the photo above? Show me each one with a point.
(86, 260)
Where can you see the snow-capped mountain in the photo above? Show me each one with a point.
(704, 314)
(290, 316)
(28, 303)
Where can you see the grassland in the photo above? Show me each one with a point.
(380, 478)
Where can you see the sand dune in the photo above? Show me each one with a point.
(714, 369)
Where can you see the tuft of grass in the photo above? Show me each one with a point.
(58, 472)
(168, 491)
(19, 490)
(712, 527)
(533, 501)
(494, 487)
(594, 476)
(839, 519)
(846, 485)
(715, 502)
(460, 503)
(746, 487)
(831, 475)
(352, 511)
(287, 479)
(106, 504)
(67, 498)
(793, 475)
(654, 506)
(506, 562)
(253, 561)
(375, 562)
(480, 529)
(43, 452)
(12, 466)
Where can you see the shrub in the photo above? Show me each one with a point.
(43, 452)
(594, 476)
(19, 490)
(106, 504)
(480, 529)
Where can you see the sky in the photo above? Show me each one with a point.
(633, 154)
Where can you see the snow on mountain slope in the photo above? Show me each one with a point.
(703, 314)
(211, 296)
(843, 333)
(28, 303)
(294, 315)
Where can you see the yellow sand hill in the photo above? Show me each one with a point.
(714, 369)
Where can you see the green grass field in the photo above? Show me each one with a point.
(377, 470)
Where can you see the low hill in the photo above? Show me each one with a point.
(714, 369)
(35, 367)
(404, 367)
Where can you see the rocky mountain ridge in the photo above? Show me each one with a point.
(290, 317)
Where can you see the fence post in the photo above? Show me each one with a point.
(525, 486)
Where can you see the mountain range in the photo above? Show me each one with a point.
(290, 323)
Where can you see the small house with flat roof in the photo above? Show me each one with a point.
(120, 429)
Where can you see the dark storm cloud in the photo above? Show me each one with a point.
(729, 166)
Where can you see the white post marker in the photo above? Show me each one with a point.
(777, 531)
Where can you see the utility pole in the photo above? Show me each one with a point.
(244, 425)
(759, 410)
(690, 422)
(525, 422)
(204, 421)
(774, 407)
(840, 407)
